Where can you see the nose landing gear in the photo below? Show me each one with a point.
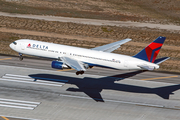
(20, 57)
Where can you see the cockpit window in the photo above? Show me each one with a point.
(15, 43)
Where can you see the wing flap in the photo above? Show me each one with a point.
(77, 65)
(112, 46)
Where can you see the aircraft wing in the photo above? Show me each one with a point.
(112, 46)
(77, 65)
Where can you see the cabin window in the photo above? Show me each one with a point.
(50, 50)
(15, 43)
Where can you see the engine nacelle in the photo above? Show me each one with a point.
(58, 65)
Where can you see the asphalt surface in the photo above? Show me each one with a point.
(41, 63)
(31, 89)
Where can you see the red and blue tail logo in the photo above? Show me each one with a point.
(151, 51)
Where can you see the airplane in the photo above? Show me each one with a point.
(80, 59)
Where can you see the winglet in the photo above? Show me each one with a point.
(151, 51)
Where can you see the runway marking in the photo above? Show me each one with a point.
(6, 59)
(18, 104)
(4, 118)
(37, 78)
(19, 101)
(33, 80)
(115, 101)
(159, 78)
(66, 70)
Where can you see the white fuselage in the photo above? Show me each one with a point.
(96, 58)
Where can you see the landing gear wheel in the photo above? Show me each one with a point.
(20, 57)
(79, 72)
(90, 66)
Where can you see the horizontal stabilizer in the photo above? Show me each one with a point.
(145, 67)
(160, 60)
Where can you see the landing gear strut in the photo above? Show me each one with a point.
(20, 57)
(79, 72)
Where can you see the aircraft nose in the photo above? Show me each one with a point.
(11, 45)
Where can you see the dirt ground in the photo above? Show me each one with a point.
(156, 11)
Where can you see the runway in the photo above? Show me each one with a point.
(31, 89)
(41, 63)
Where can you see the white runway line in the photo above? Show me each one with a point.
(19, 101)
(17, 75)
(31, 79)
(106, 100)
(18, 104)
(39, 78)
(35, 80)
(31, 82)
(11, 106)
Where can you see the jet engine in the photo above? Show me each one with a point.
(59, 65)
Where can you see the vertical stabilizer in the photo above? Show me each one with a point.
(150, 52)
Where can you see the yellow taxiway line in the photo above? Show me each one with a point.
(4, 118)
(159, 78)
(6, 59)
(65, 70)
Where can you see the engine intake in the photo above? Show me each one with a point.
(58, 65)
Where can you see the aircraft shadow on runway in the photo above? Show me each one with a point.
(93, 86)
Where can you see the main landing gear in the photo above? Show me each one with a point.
(79, 72)
(20, 57)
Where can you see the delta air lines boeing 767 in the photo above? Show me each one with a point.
(80, 59)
